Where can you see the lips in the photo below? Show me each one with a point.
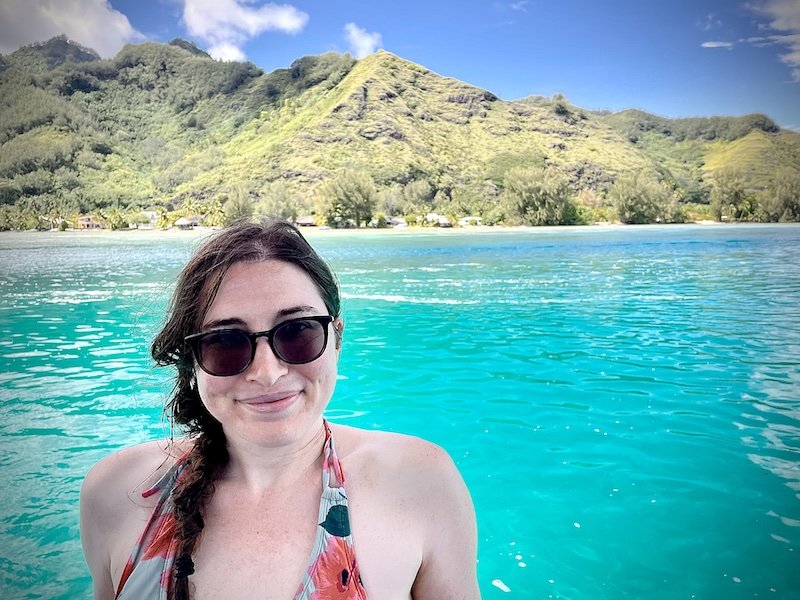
(270, 403)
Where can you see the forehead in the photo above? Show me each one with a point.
(262, 288)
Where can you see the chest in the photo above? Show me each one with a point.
(259, 550)
(388, 544)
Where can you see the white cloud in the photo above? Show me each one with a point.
(792, 57)
(519, 5)
(784, 14)
(727, 45)
(361, 42)
(784, 18)
(227, 52)
(92, 23)
(227, 24)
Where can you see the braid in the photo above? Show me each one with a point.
(189, 498)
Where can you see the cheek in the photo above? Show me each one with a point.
(321, 372)
(209, 387)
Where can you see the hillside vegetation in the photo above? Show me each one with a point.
(166, 128)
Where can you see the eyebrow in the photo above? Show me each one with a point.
(303, 308)
(284, 312)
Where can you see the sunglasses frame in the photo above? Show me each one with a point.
(194, 341)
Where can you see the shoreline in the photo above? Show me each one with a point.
(411, 230)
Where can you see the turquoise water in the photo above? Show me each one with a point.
(624, 403)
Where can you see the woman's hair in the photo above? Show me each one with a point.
(196, 289)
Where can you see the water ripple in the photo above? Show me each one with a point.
(624, 403)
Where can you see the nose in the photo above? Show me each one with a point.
(266, 367)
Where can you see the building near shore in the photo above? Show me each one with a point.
(89, 222)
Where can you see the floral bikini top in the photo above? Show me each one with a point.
(332, 572)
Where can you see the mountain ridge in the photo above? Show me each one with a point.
(162, 124)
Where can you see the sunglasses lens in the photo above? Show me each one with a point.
(300, 340)
(225, 353)
(230, 351)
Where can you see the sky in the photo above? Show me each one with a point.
(676, 58)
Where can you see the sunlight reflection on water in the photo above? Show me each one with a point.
(624, 405)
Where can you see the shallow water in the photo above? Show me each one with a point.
(624, 403)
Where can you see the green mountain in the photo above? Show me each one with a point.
(689, 151)
(402, 122)
(44, 56)
(163, 125)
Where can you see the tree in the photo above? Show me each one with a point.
(114, 218)
(351, 195)
(138, 218)
(238, 206)
(58, 211)
(417, 197)
(780, 202)
(9, 191)
(191, 207)
(280, 202)
(6, 220)
(163, 218)
(214, 212)
(538, 196)
(638, 200)
(391, 200)
(729, 196)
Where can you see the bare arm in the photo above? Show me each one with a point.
(113, 511)
(448, 570)
(95, 533)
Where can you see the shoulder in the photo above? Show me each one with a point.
(396, 455)
(414, 471)
(130, 470)
(112, 508)
(416, 485)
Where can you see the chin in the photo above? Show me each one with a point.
(275, 429)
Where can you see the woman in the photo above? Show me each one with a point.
(257, 501)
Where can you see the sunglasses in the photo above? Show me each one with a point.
(227, 352)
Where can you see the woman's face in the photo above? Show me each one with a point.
(271, 403)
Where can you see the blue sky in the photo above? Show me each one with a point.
(676, 58)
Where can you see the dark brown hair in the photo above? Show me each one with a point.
(195, 291)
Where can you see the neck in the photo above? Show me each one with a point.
(262, 468)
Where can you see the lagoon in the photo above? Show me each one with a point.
(623, 402)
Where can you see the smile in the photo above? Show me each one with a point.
(271, 403)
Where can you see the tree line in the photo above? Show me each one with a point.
(532, 195)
